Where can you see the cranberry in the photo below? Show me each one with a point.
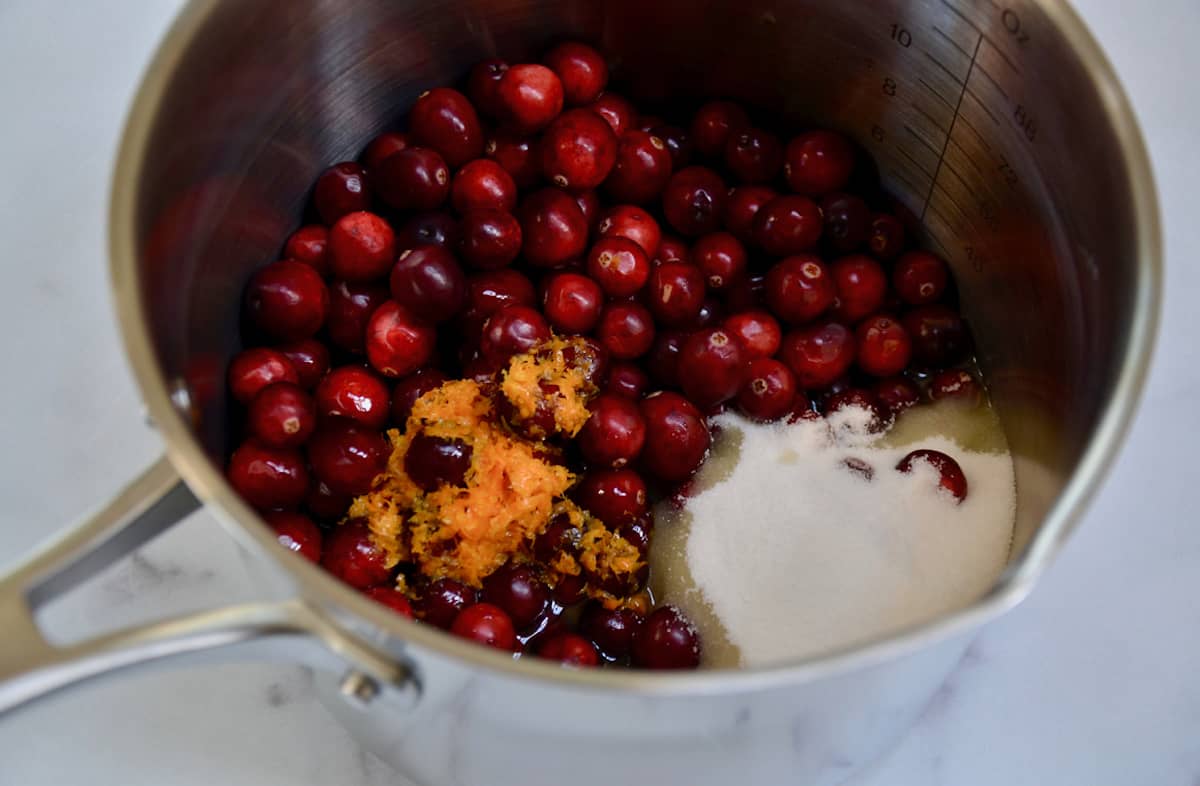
(393, 598)
(354, 392)
(857, 398)
(675, 293)
(847, 222)
(441, 601)
(324, 504)
(694, 201)
(511, 331)
(818, 162)
(310, 358)
(416, 178)
(746, 294)
(519, 592)
(626, 330)
(578, 150)
(769, 390)
(951, 383)
(885, 238)
(347, 456)
(572, 302)
(411, 388)
(489, 238)
(570, 649)
(619, 113)
(483, 183)
(757, 332)
(611, 630)
(711, 367)
(432, 462)
(920, 278)
(788, 225)
(663, 360)
(753, 155)
(861, 287)
(282, 415)
(741, 206)
(582, 70)
(559, 537)
(569, 590)
(710, 314)
(642, 168)
(296, 532)
(714, 123)
(251, 370)
(678, 143)
(884, 347)
(398, 342)
(951, 475)
(619, 265)
(819, 354)
(627, 380)
(518, 156)
(341, 189)
(802, 409)
(614, 433)
(615, 496)
(632, 223)
(483, 86)
(352, 555)
(672, 249)
(382, 146)
(310, 245)
(428, 281)
(722, 259)
(666, 640)
(859, 467)
(939, 335)
(799, 289)
(896, 393)
(431, 228)
(268, 477)
(530, 97)
(361, 247)
(287, 299)
(637, 532)
(350, 308)
(489, 292)
(589, 204)
(444, 120)
(484, 623)
(677, 437)
(553, 226)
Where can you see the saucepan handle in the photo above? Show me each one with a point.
(31, 667)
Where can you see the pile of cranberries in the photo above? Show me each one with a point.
(712, 261)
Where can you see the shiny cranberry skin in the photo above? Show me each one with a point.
(398, 342)
(949, 384)
(570, 649)
(433, 462)
(768, 391)
(714, 123)
(442, 119)
(431, 228)
(710, 314)
(416, 178)
(428, 281)
(626, 330)
(721, 257)
(354, 392)
(489, 239)
(296, 532)
(857, 398)
(282, 415)
(309, 357)
(753, 155)
(287, 299)
(485, 624)
(611, 630)
(614, 433)
(324, 504)
(896, 393)
(572, 302)
(951, 475)
(518, 156)
(677, 437)
(633, 223)
(393, 598)
(615, 496)
(268, 477)
(553, 227)
(347, 456)
(251, 370)
(884, 347)
(666, 640)
(819, 354)
(619, 265)
(885, 239)
(511, 331)
(818, 162)
(619, 113)
(411, 388)
(678, 143)
(799, 289)
(861, 287)
(581, 69)
(712, 365)
(788, 225)
(757, 331)
(350, 308)
(589, 203)
(694, 201)
(663, 360)
(362, 246)
(483, 184)
(353, 556)
(341, 189)
(489, 292)
(310, 245)
(531, 96)
(675, 293)
(483, 86)
(920, 278)
(382, 146)
(441, 601)
(939, 335)
(578, 150)
(672, 249)
(627, 380)
(847, 222)
(519, 592)
(642, 168)
(742, 204)
(746, 294)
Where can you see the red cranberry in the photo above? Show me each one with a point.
(648, 123)
(666, 640)
(769, 390)
(619, 265)
(572, 303)
(589, 204)
(398, 343)
(819, 354)
(531, 96)
(489, 292)
(753, 155)
(677, 437)
(896, 393)
(428, 281)
(818, 162)
(268, 477)
(347, 456)
(757, 332)
(483, 184)
(627, 380)
(382, 146)
(490, 239)
(802, 409)
(350, 308)
(678, 143)
(411, 388)
(553, 226)
(746, 294)
(615, 496)
(861, 287)
(714, 123)
(920, 278)
(884, 347)
(642, 168)
(799, 289)
(741, 206)
(324, 504)
(519, 592)
(710, 314)
(484, 623)
(952, 384)
(282, 415)
(675, 293)
(431, 228)
(416, 178)
(847, 222)
(251, 370)
(614, 433)
(857, 398)
(611, 630)
(694, 201)
(511, 331)
(444, 120)
(569, 590)
(788, 225)
(637, 532)
(354, 392)
(570, 649)
(518, 156)
(393, 598)
(559, 537)
(722, 259)
(626, 330)
(939, 335)
(287, 299)
(361, 247)
(663, 360)
(296, 532)
(672, 249)
(433, 462)
(632, 223)
(582, 70)
(885, 239)
(578, 150)
(711, 367)
(619, 113)
(352, 555)
(441, 601)
(310, 358)
(310, 245)
(483, 86)
(951, 475)
(341, 189)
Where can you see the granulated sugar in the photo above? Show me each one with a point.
(787, 552)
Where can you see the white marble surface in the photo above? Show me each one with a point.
(1090, 682)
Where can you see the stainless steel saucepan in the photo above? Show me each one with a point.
(998, 122)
